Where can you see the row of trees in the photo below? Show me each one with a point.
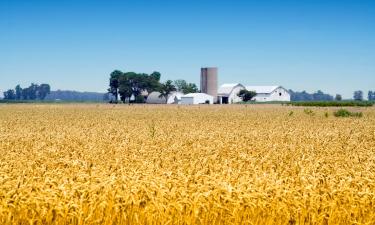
(358, 95)
(33, 92)
(371, 95)
(304, 96)
(130, 85)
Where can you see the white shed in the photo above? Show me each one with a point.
(197, 98)
(173, 98)
(228, 93)
(269, 93)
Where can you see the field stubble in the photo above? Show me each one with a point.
(104, 164)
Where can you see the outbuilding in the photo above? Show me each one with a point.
(173, 98)
(269, 93)
(197, 98)
(228, 93)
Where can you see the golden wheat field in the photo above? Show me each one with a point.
(255, 164)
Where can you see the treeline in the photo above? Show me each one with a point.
(76, 96)
(304, 96)
(134, 87)
(33, 92)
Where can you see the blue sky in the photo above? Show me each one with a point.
(302, 45)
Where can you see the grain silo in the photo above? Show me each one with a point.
(209, 81)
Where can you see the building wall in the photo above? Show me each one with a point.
(233, 97)
(198, 99)
(187, 100)
(209, 83)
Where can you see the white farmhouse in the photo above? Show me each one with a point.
(228, 93)
(197, 98)
(173, 98)
(269, 93)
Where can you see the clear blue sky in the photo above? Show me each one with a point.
(302, 45)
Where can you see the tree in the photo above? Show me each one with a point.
(180, 84)
(184, 87)
(18, 92)
(155, 75)
(114, 83)
(33, 91)
(358, 95)
(246, 95)
(9, 95)
(371, 95)
(124, 87)
(338, 97)
(166, 89)
(190, 88)
(43, 91)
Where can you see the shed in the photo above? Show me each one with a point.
(173, 98)
(197, 98)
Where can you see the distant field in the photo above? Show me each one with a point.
(333, 103)
(142, 164)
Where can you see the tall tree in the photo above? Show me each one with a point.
(43, 91)
(18, 92)
(33, 91)
(338, 97)
(114, 83)
(180, 84)
(358, 95)
(371, 96)
(9, 95)
(184, 87)
(155, 75)
(166, 89)
(190, 88)
(124, 87)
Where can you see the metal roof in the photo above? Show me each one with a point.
(226, 89)
(195, 94)
(262, 89)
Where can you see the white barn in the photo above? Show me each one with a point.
(196, 98)
(269, 93)
(173, 98)
(228, 93)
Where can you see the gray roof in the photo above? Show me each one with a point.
(226, 89)
(262, 89)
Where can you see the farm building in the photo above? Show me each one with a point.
(269, 93)
(173, 98)
(197, 98)
(228, 93)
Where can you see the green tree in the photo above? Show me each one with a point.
(246, 95)
(33, 91)
(338, 97)
(190, 88)
(358, 95)
(9, 95)
(156, 76)
(114, 83)
(180, 84)
(166, 89)
(371, 96)
(184, 87)
(43, 91)
(124, 87)
(18, 92)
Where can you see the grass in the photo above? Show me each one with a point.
(346, 113)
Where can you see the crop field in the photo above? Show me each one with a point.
(138, 164)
